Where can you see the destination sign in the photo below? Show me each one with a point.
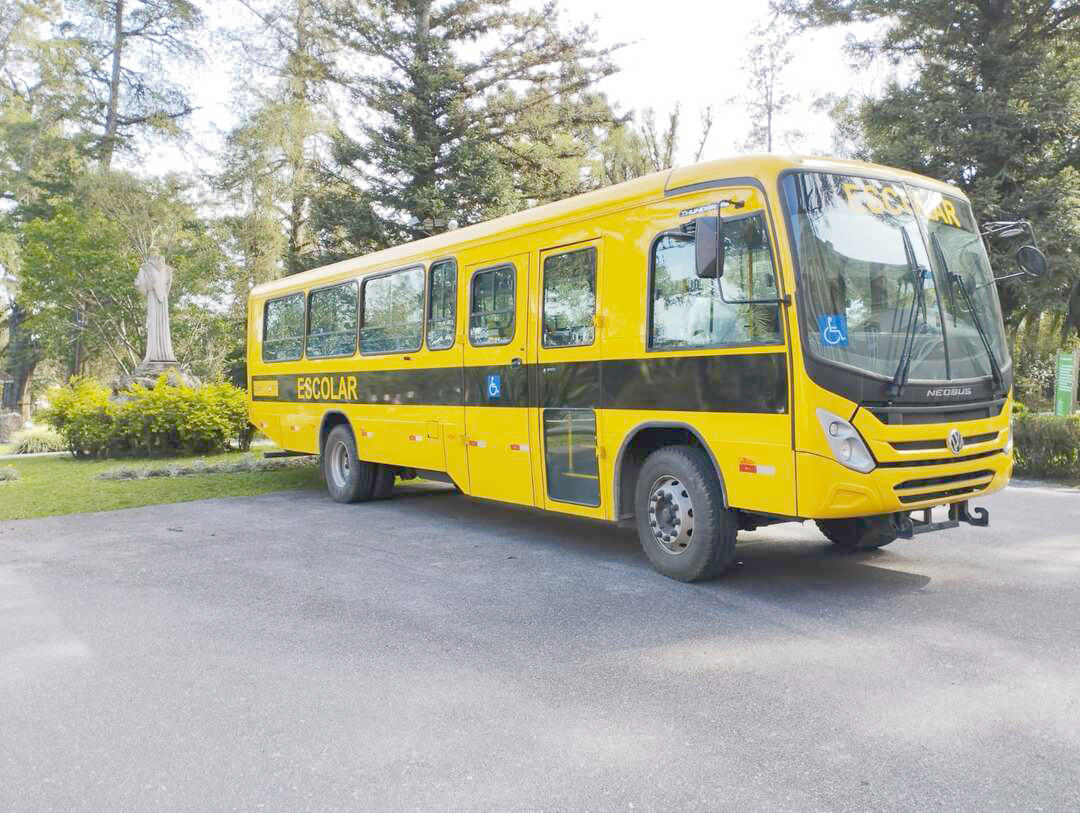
(867, 197)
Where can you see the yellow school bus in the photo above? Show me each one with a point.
(708, 349)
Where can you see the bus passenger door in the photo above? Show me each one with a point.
(496, 381)
(568, 378)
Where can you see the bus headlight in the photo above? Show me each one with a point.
(1008, 439)
(845, 442)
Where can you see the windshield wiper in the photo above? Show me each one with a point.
(917, 304)
(956, 281)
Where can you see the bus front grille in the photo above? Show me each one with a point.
(936, 413)
(939, 443)
(903, 464)
(942, 495)
(945, 480)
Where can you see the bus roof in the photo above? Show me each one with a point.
(610, 198)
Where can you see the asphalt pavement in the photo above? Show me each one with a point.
(431, 652)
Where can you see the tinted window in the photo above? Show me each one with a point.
(688, 311)
(569, 298)
(491, 319)
(573, 474)
(442, 305)
(393, 312)
(332, 321)
(283, 329)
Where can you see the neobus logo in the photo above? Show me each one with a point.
(948, 392)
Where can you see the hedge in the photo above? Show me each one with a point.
(1047, 446)
(163, 421)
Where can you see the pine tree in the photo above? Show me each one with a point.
(467, 110)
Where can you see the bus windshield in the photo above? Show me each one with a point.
(864, 248)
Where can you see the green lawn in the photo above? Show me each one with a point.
(63, 485)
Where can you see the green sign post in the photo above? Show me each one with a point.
(1065, 383)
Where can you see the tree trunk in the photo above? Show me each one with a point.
(424, 128)
(108, 143)
(296, 221)
(23, 358)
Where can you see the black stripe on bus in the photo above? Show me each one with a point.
(755, 383)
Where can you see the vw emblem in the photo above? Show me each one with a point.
(955, 441)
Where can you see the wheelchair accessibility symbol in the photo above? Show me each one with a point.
(834, 330)
(494, 386)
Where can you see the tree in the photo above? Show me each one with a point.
(272, 157)
(126, 48)
(848, 140)
(660, 144)
(623, 156)
(43, 108)
(464, 113)
(707, 121)
(766, 100)
(992, 104)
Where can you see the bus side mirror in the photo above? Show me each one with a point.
(1031, 261)
(708, 249)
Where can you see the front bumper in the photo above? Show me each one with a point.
(827, 490)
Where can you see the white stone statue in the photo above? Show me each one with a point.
(153, 282)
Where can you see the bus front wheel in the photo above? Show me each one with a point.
(348, 478)
(683, 526)
(859, 533)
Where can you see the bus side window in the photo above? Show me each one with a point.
(442, 305)
(491, 316)
(332, 321)
(749, 272)
(688, 311)
(283, 328)
(393, 312)
(570, 298)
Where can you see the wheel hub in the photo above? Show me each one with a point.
(671, 515)
(339, 465)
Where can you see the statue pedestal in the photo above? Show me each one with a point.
(147, 375)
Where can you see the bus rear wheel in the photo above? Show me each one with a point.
(859, 533)
(348, 478)
(683, 526)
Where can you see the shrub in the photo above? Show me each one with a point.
(1047, 446)
(37, 440)
(83, 415)
(8, 474)
(164, 420)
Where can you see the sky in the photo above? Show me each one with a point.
(691, 56)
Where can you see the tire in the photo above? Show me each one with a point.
(348, 479)
(860, 533)
(383, 484)
(678, 492)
